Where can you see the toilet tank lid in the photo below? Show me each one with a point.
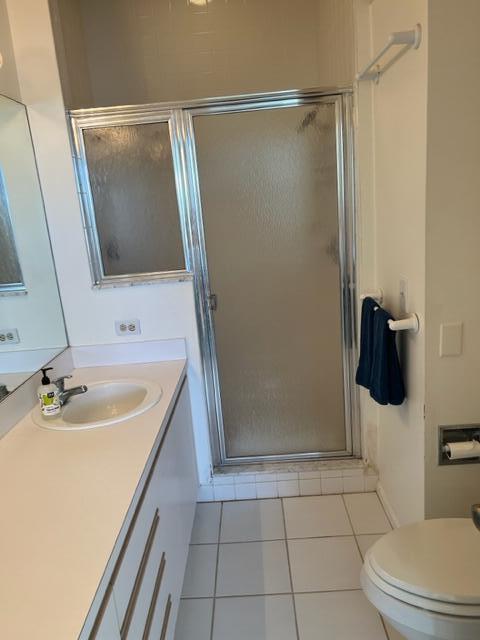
(437, 559)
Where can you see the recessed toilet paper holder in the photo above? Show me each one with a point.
(458, 434)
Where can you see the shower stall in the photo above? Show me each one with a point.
(251, 197)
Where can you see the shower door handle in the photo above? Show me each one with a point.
(212, 301)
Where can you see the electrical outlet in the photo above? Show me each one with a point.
(9, 336)
(127, 327)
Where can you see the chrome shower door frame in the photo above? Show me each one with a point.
(82, 119)
(346, 224)
(180, 117)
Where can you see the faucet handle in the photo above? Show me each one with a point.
(476, 515)
(60, 382)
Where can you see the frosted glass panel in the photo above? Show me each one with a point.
(133, 188)
(269, 198)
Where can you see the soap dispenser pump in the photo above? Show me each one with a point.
(48, 395)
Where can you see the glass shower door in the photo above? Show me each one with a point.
(270, 192)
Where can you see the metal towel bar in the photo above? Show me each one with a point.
(406, 39)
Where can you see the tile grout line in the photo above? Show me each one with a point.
(384, 627)
(275, 593)
(361, 556)
(342, 535)
(289, 569)
(216, 571)
(299, 495)
(351, 526)
(385, 512)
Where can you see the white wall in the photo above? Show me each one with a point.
(398, 148)
(179, 50)
(336, 42)
(453, 234)
(8, 72)
(164, 310)
(67, 24)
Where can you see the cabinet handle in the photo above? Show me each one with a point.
(153, 602)
(132, 603)
(166, 616)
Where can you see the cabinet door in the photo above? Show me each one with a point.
(177, 497)
(109, 628)
(147, 581)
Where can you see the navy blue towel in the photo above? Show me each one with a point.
(386, 382)
(364, 370)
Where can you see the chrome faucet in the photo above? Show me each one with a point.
(66, 394)
(476, 515)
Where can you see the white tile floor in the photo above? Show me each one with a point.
(282, 569)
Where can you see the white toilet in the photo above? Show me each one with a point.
(425, 579)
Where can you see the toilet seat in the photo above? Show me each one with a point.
(435, 563)
(425, 579)
(415, 623)
(430, 604)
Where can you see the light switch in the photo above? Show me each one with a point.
(451, 335)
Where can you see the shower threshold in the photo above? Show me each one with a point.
(297, 466)
(287, 479)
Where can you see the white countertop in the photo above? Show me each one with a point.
(64, 497)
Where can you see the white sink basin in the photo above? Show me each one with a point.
(104, 404)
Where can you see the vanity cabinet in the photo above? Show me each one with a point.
(140, 592)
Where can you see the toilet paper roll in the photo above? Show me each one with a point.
(462, 450)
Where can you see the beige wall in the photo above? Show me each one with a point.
(395, 188)
(421, 126)
(160, 50)
(365, 206)
(453, 238)
(336, 43)
(8, 73)
(71, 52)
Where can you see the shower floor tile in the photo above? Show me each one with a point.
(282, 569)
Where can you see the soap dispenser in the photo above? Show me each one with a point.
(48, 395)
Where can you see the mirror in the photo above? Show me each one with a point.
(32, 330)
